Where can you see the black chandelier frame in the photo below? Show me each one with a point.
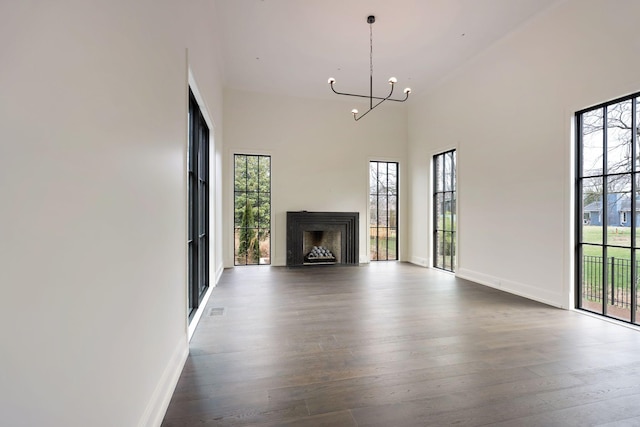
(392, 81)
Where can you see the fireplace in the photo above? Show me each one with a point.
(322, 238)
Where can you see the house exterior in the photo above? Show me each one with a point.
(625, 213)
(593, 214)
(618, 211)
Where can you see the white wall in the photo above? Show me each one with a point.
(92, 205)
(509, 113)
(320, 156)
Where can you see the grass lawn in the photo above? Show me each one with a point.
(382, 245)
(615, 236)
(592, 269)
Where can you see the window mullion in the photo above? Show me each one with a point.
(632, 221)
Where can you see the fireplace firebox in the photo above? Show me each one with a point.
(322, 238)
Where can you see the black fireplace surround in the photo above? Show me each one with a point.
(346, 223)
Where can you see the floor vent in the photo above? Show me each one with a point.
(215, 311)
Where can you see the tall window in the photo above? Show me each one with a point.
(608, 198)
(252, 207)
(383, 210)
(198, 205)
(444, 211)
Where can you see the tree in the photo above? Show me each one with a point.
(617, 127)
(252, 206)
(614, 176)
(248, 246)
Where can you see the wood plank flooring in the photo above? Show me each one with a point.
(392, 344)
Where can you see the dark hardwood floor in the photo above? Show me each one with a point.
(392, 344)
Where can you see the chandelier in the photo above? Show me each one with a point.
(392, 81)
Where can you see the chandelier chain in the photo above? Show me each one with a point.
(371, 50)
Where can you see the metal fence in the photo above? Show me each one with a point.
(618, 288)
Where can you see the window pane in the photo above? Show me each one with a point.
(240, 258)
(382, 243)
(447, 248)
(392, 170)
(591, 280)
(618, 292)
(383, 211)
(250, 214)
(440, 211)
(453, 251)
(265, 246)
(637, 143)
(592, 143)
(393, 213)
(203, 159)
(392, 243)
(453, 212)
(373, 209)
(619, 137)
(447, 173)
(240, 168)
(438, 174)
(190, 207)
(382, 178)
(264, 174)
(202, 208)
(248, 245)
(202, 267)
(637, 217)
(264, 212)
(373, 243)
(239, 208)
(252, 173)
(618, 219)
(439, 250)
(447, 211)
(373, 177)
(454, 172)
(592, 210)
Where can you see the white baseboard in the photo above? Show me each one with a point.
(521, 289)
(218, 274)
(419, 261)
(205, 299)
(161, 397)
(159, 402)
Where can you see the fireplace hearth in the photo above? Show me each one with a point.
(322, 238)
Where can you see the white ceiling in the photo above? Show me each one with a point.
(293, 46)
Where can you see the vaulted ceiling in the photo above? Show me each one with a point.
(292, 47)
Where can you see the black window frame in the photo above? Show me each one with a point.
(444, 192)
(197, 206)
(263, 227)
(606, 263)
(385, 194)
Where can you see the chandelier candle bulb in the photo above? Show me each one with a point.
(392, 81)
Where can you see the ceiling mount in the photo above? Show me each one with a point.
(392, 81)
